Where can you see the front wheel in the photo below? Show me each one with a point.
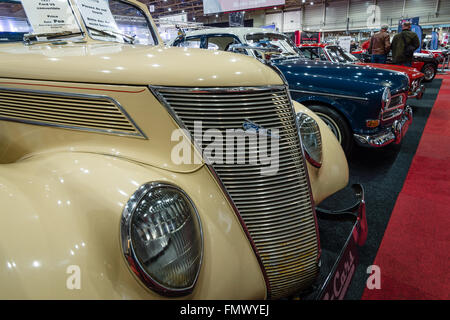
(430, 72)
(337, 124)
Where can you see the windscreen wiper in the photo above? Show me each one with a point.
(29, 37)
(112, 33)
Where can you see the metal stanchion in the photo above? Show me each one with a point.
(445, 65)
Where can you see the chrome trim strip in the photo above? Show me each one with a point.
(330, 95)
(216, 89)
(398, 111)
(127, 245)
(141, 134)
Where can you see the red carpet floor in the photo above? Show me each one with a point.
(414, 256)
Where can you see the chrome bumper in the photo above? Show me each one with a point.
(418, 94)
(338, 280)
(355, 213)
(393, 134)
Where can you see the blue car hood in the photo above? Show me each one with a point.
(340, 78)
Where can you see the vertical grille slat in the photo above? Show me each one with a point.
(282, 227)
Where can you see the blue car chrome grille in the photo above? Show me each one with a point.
(395, 108)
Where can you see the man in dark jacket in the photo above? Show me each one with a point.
(380, 45)
(403, 45)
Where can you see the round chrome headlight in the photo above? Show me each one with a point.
(386, 97)
(162, 238)
(311, 138)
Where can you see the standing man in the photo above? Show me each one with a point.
(380, 45)
(404, 44)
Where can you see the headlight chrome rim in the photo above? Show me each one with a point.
(315, 162)
(386, 98)
(127, 245)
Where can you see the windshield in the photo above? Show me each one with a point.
(13, 22)
(115, 20)
(337, 54)
(278, 40)
(46, 20)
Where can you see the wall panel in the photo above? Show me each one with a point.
(274, 18)
(313, 16)
(292, 21)
(358, 13)
(336, 15)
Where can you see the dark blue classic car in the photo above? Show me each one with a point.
(362, 104)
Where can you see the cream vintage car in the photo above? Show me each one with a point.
(96, 203)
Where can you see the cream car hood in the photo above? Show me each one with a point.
(115, 63)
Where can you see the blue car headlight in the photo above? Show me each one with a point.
(386, 98)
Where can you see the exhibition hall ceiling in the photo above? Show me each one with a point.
(195, 7)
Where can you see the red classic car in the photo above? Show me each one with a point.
(438, 54)
(335, 53)
(424, 62)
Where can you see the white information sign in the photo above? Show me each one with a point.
(345, 43)
(50, 16)
(96, 14)
(182, 17)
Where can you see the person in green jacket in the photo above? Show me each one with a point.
(403, 45)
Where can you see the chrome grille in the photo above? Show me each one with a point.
(415, 85)
(277, 210)
(81, 112)
(396, 101)
(395, 108)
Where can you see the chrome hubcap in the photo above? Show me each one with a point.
(429, 72)
(332, 125)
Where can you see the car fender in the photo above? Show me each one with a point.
(62, 211)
